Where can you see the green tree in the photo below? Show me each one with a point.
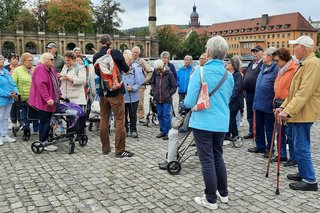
(9, 9)
(194, 45)
(106, 16)
(318, 53)
(169, 41)
(40, 11)
(72, 15)
(25, 21)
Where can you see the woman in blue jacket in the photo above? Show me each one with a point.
(183, 76)
(8, 92)
(209, 126)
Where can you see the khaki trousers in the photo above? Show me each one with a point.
(141, 102)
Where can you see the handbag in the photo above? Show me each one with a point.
(95, 106)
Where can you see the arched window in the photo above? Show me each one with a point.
(7, 48)
(88, 48)
(71, 46)
(123, 47)
(31, 47)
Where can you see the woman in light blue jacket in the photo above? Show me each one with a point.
(8, 92)
(209, 126)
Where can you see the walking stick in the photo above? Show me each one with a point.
(278, 167)
(271, 146)
(254, 126)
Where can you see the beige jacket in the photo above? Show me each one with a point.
(303, 101)
(74, 90)
(147, 70)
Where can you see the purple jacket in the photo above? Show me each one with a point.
(42, 89)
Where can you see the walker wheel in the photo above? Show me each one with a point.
(83, 140)
(37, 147)
(237, 142)
(71, 146)
(174, 168)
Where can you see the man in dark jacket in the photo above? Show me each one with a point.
(112, 100)
(163, 86)
(249, 85)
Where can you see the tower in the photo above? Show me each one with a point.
(153, 29)
(194, 18)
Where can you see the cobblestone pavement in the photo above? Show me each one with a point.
(88, 181)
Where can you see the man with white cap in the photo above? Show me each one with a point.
(58, 59)
(301, 109)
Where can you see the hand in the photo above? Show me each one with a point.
(129, 88)
(277, 111)
(68, 78)
(50, 102)
(282, 116)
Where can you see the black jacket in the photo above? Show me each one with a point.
(119, 60)
(236, 100)
(250, 78)
(163, 86)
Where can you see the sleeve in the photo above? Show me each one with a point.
(15, 78)
(193, 90)
(80, 79)
(42, 84)
(119, 60)
(173, 69)
(138, 78)
(153, 82)
(177, 78)
(148, 71)
(237, 87)
(173, 84)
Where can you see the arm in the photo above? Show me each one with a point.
(147, 69)
(119, 60)
(153, 82)
(138, 78)
(173, 84)
(80, 79)
(193, 90)
(237, 86)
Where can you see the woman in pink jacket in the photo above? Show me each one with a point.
(45, 94)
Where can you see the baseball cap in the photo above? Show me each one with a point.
(257, 48)
(51, 45)
(303, 40)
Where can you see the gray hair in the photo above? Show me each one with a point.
(127, 54)
(188, 57)
(270, 50)
(136, 48)
(217, 47)
(44, 57)
(235, 62)
(77, 49)
(1, 56)
(165, 54)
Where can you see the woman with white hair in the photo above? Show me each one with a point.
(210, 125)
(45, 95)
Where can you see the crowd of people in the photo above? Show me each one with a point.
(278, 90)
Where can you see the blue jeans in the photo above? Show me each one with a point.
(283, 147)
(25, 120)
(302, 152)
(164, 117)
(264, 126)
(290, 142)
(209, 147)
(249, 102)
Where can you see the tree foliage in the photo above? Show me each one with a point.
(40, 11)
(169, 41)
(106, 16)
(72, 15)
(9, 9)
(194, 45)
(25, 21)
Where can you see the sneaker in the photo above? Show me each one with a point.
(50, 148)
(282, 159)
(1, 142)
(223, 199)
(8, 139)
(134, 134)
(290, 163)
(202, 201)
(226, 142)
(124, 154)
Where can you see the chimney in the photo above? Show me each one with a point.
(264, 21)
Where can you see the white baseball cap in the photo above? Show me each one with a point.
(303, 40)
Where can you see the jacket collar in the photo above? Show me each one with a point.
(312, 55)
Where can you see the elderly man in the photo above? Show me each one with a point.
(263, 103)
(301, 109)
(183, 76)
(147, 72)
(249, 85)
(58, 59)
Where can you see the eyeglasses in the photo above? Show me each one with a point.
(52, 59)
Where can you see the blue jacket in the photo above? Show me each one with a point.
(264, 95)
(236, 100)
(7, 86)
(173, 70)
(134, 78)
(216, 118)
(183, 76)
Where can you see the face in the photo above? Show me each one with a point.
(79, 61)
(14, 61)
(202, 60)
(281, 63)
(135, 54)
(187, 62)
(69, 61)
(49, 62)
(165, 60)
(257, 55)
(52, 50)
(266, 58)
(230, 67)
(78, 53)
(28, 63)
(299, 51)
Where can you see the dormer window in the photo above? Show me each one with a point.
(225, 32)
(286, 26)
(243, 29)
(230, 31)
(215, 33)
(278, 26)
(236, 30)
(263, 28)
(256, 29)
(270, 27)
(249, 29)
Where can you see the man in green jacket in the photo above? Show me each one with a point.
(58, 59)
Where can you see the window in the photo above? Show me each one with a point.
(243, 29)
(236, 30)
(283, 45)
(264, 36)
(268, 35)
(286, 26)
(278, 26)
(301, 34)
(250, 37)
(283, 35)
(259, 36)
(311, 34)
(230, 31)
(246, 37)
(249, 29)
(306, 34)
(256, 29)
(278, 45)
(278, 35)
(268, 44)
(270, 27)
(263, 28)
(288, 34)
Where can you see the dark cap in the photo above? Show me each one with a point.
(51, 45)
(257, 48)
(105, 38)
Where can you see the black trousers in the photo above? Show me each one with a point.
(131, 112)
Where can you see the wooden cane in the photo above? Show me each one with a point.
(278, 167)
(271, 146)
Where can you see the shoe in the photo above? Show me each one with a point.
(142, 121)
(202, 201)
(303, 186)
(165, 137)
(227, 138)
(8, 139)
(223, 199)
(282, 159)
(226, 142)
(124, 154)
(50, 148)
(160, 135)
(290, 163)
(255, 150)
(1, 142)
(248, 136)
(106, 151)
(163, 166)
(295, 177)
(134, 134)
(266, 155)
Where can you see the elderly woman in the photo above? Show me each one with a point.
(73, 80)
(132, 80)
(209, 135)
(183, 76)
(287, 67)
(263, 103)
(45, 95)
(8, 92)
(22, 77)
(165, 57)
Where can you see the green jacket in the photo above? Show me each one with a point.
(22, 78)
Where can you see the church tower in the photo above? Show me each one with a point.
(194, 18)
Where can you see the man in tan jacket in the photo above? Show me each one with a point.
(301, 109)
(147, 72)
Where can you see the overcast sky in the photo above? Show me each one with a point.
(212, 11)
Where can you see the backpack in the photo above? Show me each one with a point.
(109, 72)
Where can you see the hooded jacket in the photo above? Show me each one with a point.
(163, 86)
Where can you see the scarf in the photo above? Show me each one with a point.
(55, 85)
